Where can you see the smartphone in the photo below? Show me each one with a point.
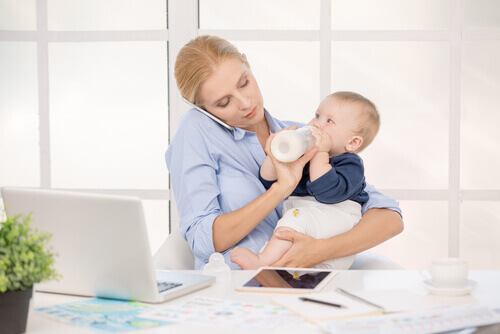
(227, 126)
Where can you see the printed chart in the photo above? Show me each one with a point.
(225, 313)
(104, 315)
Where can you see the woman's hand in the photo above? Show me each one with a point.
(289, 174)
(305, 252)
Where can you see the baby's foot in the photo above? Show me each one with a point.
(245, 258)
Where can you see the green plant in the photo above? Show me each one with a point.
(25, 255)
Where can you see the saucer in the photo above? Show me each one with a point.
(443, 291)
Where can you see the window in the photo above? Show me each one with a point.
(84, 100)
(433, 76)
(88, 101)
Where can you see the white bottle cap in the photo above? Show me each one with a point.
(216, 264)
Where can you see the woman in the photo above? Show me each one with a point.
(214, 171)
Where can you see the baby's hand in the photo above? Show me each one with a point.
(323, 140)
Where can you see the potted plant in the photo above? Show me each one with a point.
(25, 259)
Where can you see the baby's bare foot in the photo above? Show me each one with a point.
(245, 258)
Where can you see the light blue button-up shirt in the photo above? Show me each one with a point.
(214, 170)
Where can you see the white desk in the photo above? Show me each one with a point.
(487, 292)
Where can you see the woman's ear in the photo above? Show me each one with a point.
(244, 56)
(354, 144)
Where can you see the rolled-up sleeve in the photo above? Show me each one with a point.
(378, 200)
(193, 172)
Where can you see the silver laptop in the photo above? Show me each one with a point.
(102, 245)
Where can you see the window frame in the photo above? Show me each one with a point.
(183, 25)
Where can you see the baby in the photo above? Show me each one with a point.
(328, 198)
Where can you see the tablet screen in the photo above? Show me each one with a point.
(288, 279)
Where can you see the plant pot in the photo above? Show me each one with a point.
(14, 308)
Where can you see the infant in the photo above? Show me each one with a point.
(327, 201)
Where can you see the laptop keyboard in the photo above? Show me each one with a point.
(164, 286)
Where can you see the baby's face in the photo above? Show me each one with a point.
(338, 119)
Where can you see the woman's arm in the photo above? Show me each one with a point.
(375, 227)
(229, 228)
(194, 176)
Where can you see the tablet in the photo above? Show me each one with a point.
(288, 280)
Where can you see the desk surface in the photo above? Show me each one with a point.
(487, 292)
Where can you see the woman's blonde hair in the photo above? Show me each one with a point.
(198, 59)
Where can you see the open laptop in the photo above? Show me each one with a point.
(102, 245)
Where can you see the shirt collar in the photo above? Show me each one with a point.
(273, 125)
(239, 133)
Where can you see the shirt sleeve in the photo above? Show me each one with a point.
(193, 176)
(342, 182)
(378, 200)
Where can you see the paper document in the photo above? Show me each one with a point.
(424, 322)
(400, 300)
(396, 300)
(226, 313)
(315, 312)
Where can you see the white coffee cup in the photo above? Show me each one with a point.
(449, 272)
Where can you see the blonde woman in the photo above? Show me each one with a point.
(215, 171)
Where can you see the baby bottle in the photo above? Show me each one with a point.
(289, 145)
(217, 267)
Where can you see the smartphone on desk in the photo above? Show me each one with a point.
(203, 111)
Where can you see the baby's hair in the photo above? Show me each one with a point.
(369, 119)
(198, 59)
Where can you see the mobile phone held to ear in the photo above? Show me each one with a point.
(227, 126)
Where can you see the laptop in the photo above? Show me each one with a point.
(102, 246)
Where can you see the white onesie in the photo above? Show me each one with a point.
(321, 221)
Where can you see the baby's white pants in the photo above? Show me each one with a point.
(321, 221)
